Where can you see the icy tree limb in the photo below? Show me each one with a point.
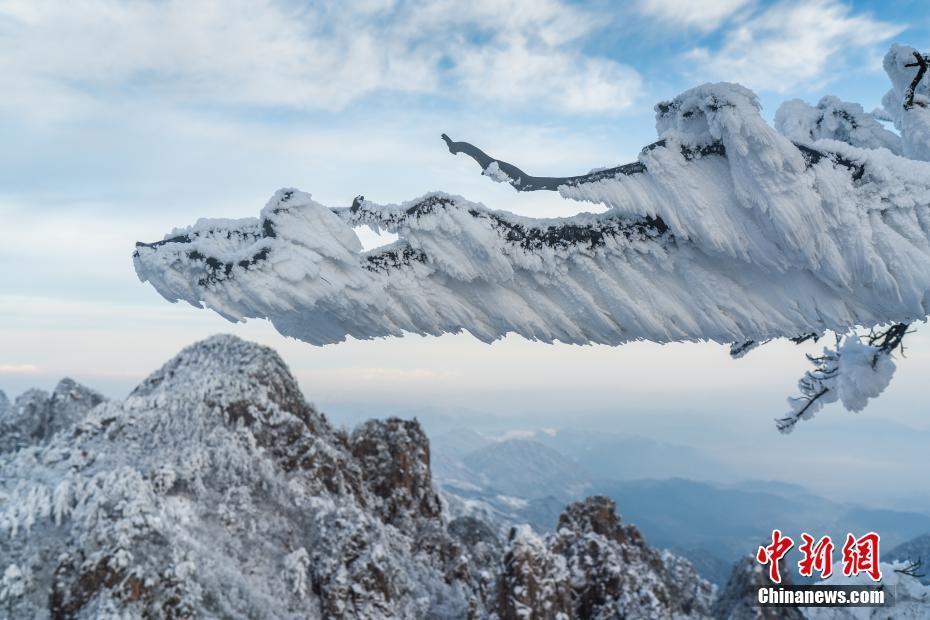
(912, 568)
(921, 65)
(504, 172)
(889, 339)
(524, 182)
(724, 230)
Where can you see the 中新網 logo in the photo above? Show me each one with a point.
(859, 555)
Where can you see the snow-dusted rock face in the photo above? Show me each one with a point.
(216, 490)
(738, 600)
(35, 416)
(595, 567)
(394, 457)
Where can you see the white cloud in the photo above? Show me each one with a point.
(514, 71)
(705, 15)
(18, 369)
(792, 45)
(325, 55)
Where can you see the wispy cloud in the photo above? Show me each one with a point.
(793, 44)
(18, 369)
(705, 15)
(322, 55)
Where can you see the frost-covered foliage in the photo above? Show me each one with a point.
(595, 567)
(215, 490)
(852, 372)
(724, 230)
(833, 119)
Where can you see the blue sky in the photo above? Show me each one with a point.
(122, 120)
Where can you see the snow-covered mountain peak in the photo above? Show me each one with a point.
(220, 358)
(244, 381)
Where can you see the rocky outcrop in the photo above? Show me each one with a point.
(533, 583)
(596, 567)
(738, 601)
(394, 457)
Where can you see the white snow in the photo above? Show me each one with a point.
(496, 174)
(833, 119)
(760, 245)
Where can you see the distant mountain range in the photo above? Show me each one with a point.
(712, 524)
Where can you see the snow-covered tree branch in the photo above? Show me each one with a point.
(725, 229)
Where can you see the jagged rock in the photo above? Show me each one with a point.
(593, 566)
(394, 457)
(738, 601)
(473, 532)
(36, 415)
(533, 582)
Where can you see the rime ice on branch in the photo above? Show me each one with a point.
(723, 230)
